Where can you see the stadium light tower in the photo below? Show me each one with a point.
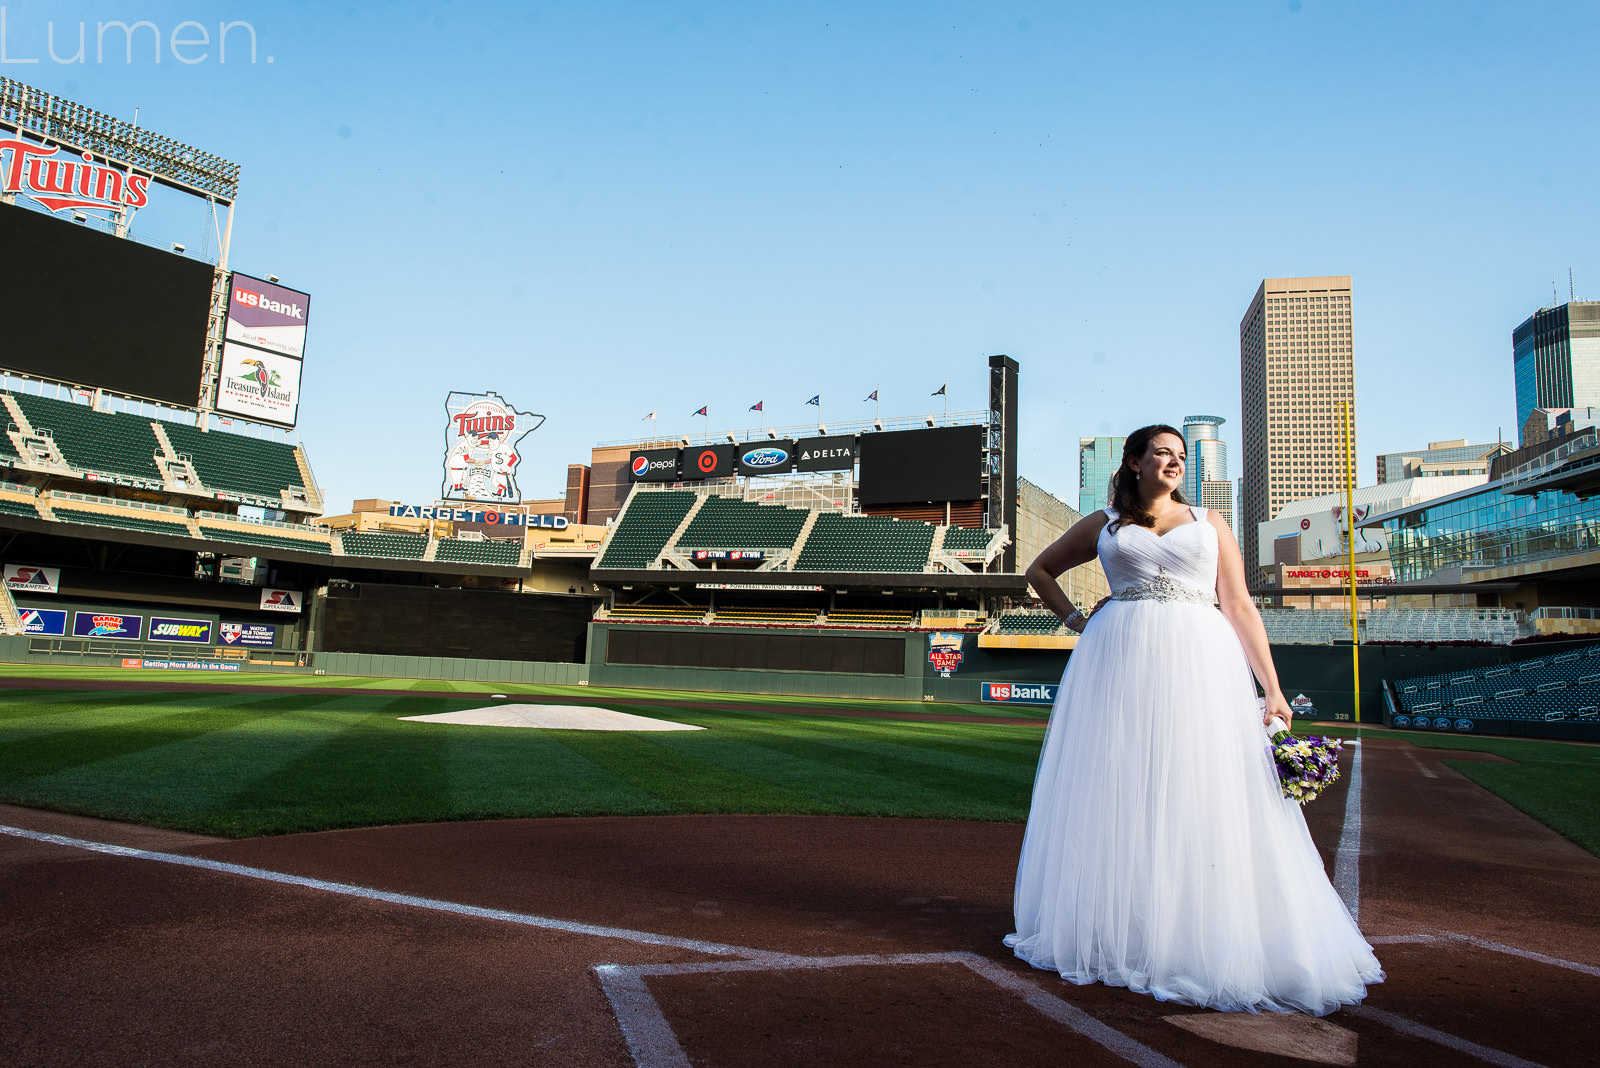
(131, 150)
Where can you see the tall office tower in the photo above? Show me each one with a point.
(1097, 462)
(1296, 364)
(1555, 355)
(1208, 454)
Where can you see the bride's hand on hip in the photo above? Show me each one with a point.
(1276, 706)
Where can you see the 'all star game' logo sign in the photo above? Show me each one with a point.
(481, 447)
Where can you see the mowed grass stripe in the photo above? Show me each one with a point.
(499, 772)
(67, 710)
(863, 771)
(663, 767)
(839, 778)
(186, 780)
(145, 728)
(365, 770)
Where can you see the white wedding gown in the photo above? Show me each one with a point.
(1160, 853)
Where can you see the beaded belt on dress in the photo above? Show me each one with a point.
(1164, 588)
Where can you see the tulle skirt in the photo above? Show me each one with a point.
(1160, 854)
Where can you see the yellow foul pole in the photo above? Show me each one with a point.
(1350, 544)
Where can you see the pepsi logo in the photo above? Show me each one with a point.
(765, 457)
(641, 464)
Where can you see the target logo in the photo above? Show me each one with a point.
(707, 462)
(1305, 524)
(641, 464)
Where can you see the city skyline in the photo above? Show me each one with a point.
(732, 205)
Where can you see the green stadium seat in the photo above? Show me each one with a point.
(149, 525)
(645, 527)
(498, 551)
(384, 545)
(236, 464)
(114, 442)
(841, 542)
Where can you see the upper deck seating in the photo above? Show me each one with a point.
(313, 542)
(148, 522)
(235, 463)
(966, 538)
(841, 542)
(384, 544)
(731, 523)
(645, 527)
(115, 442)
(501, 551)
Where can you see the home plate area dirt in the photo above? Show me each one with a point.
(743, 940)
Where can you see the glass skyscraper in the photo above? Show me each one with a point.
(1555, 357)
(1208, 454)
(1097, 462)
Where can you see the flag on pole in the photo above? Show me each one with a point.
(703, 412)
(757, 406)
(652, 415)
(817, 400)
(871, 396)
(940, 392)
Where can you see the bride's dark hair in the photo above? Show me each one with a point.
(1125, 499)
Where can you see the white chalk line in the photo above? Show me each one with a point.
(654, 1044)
(1442, 1038)
(1426, 771)
(716, 949)
(1433, 936)
(1347, 862)
(650, 1036)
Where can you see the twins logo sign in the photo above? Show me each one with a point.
(481, 438)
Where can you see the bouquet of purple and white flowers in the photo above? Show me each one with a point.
(1306, 766)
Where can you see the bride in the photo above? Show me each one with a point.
(1160, 853)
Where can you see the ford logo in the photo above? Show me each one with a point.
(641, 464)
(1463, 724)
(1402, 721)
(768, 457)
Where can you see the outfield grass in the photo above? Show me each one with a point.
(243, 764)
(335, 754)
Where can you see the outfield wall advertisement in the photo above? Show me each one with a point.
(194, 631)
(107, 625)
(25, 578)
(44, 621)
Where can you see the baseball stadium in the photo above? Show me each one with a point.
(722, 758)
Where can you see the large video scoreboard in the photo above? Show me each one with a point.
(88, 308)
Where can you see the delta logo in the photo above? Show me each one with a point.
(60, 179)
(767, 456)
(251, 299)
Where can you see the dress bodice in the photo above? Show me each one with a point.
(1138, 560)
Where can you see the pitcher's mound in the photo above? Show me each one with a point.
(555, 717)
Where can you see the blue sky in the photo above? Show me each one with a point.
(603, 209)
